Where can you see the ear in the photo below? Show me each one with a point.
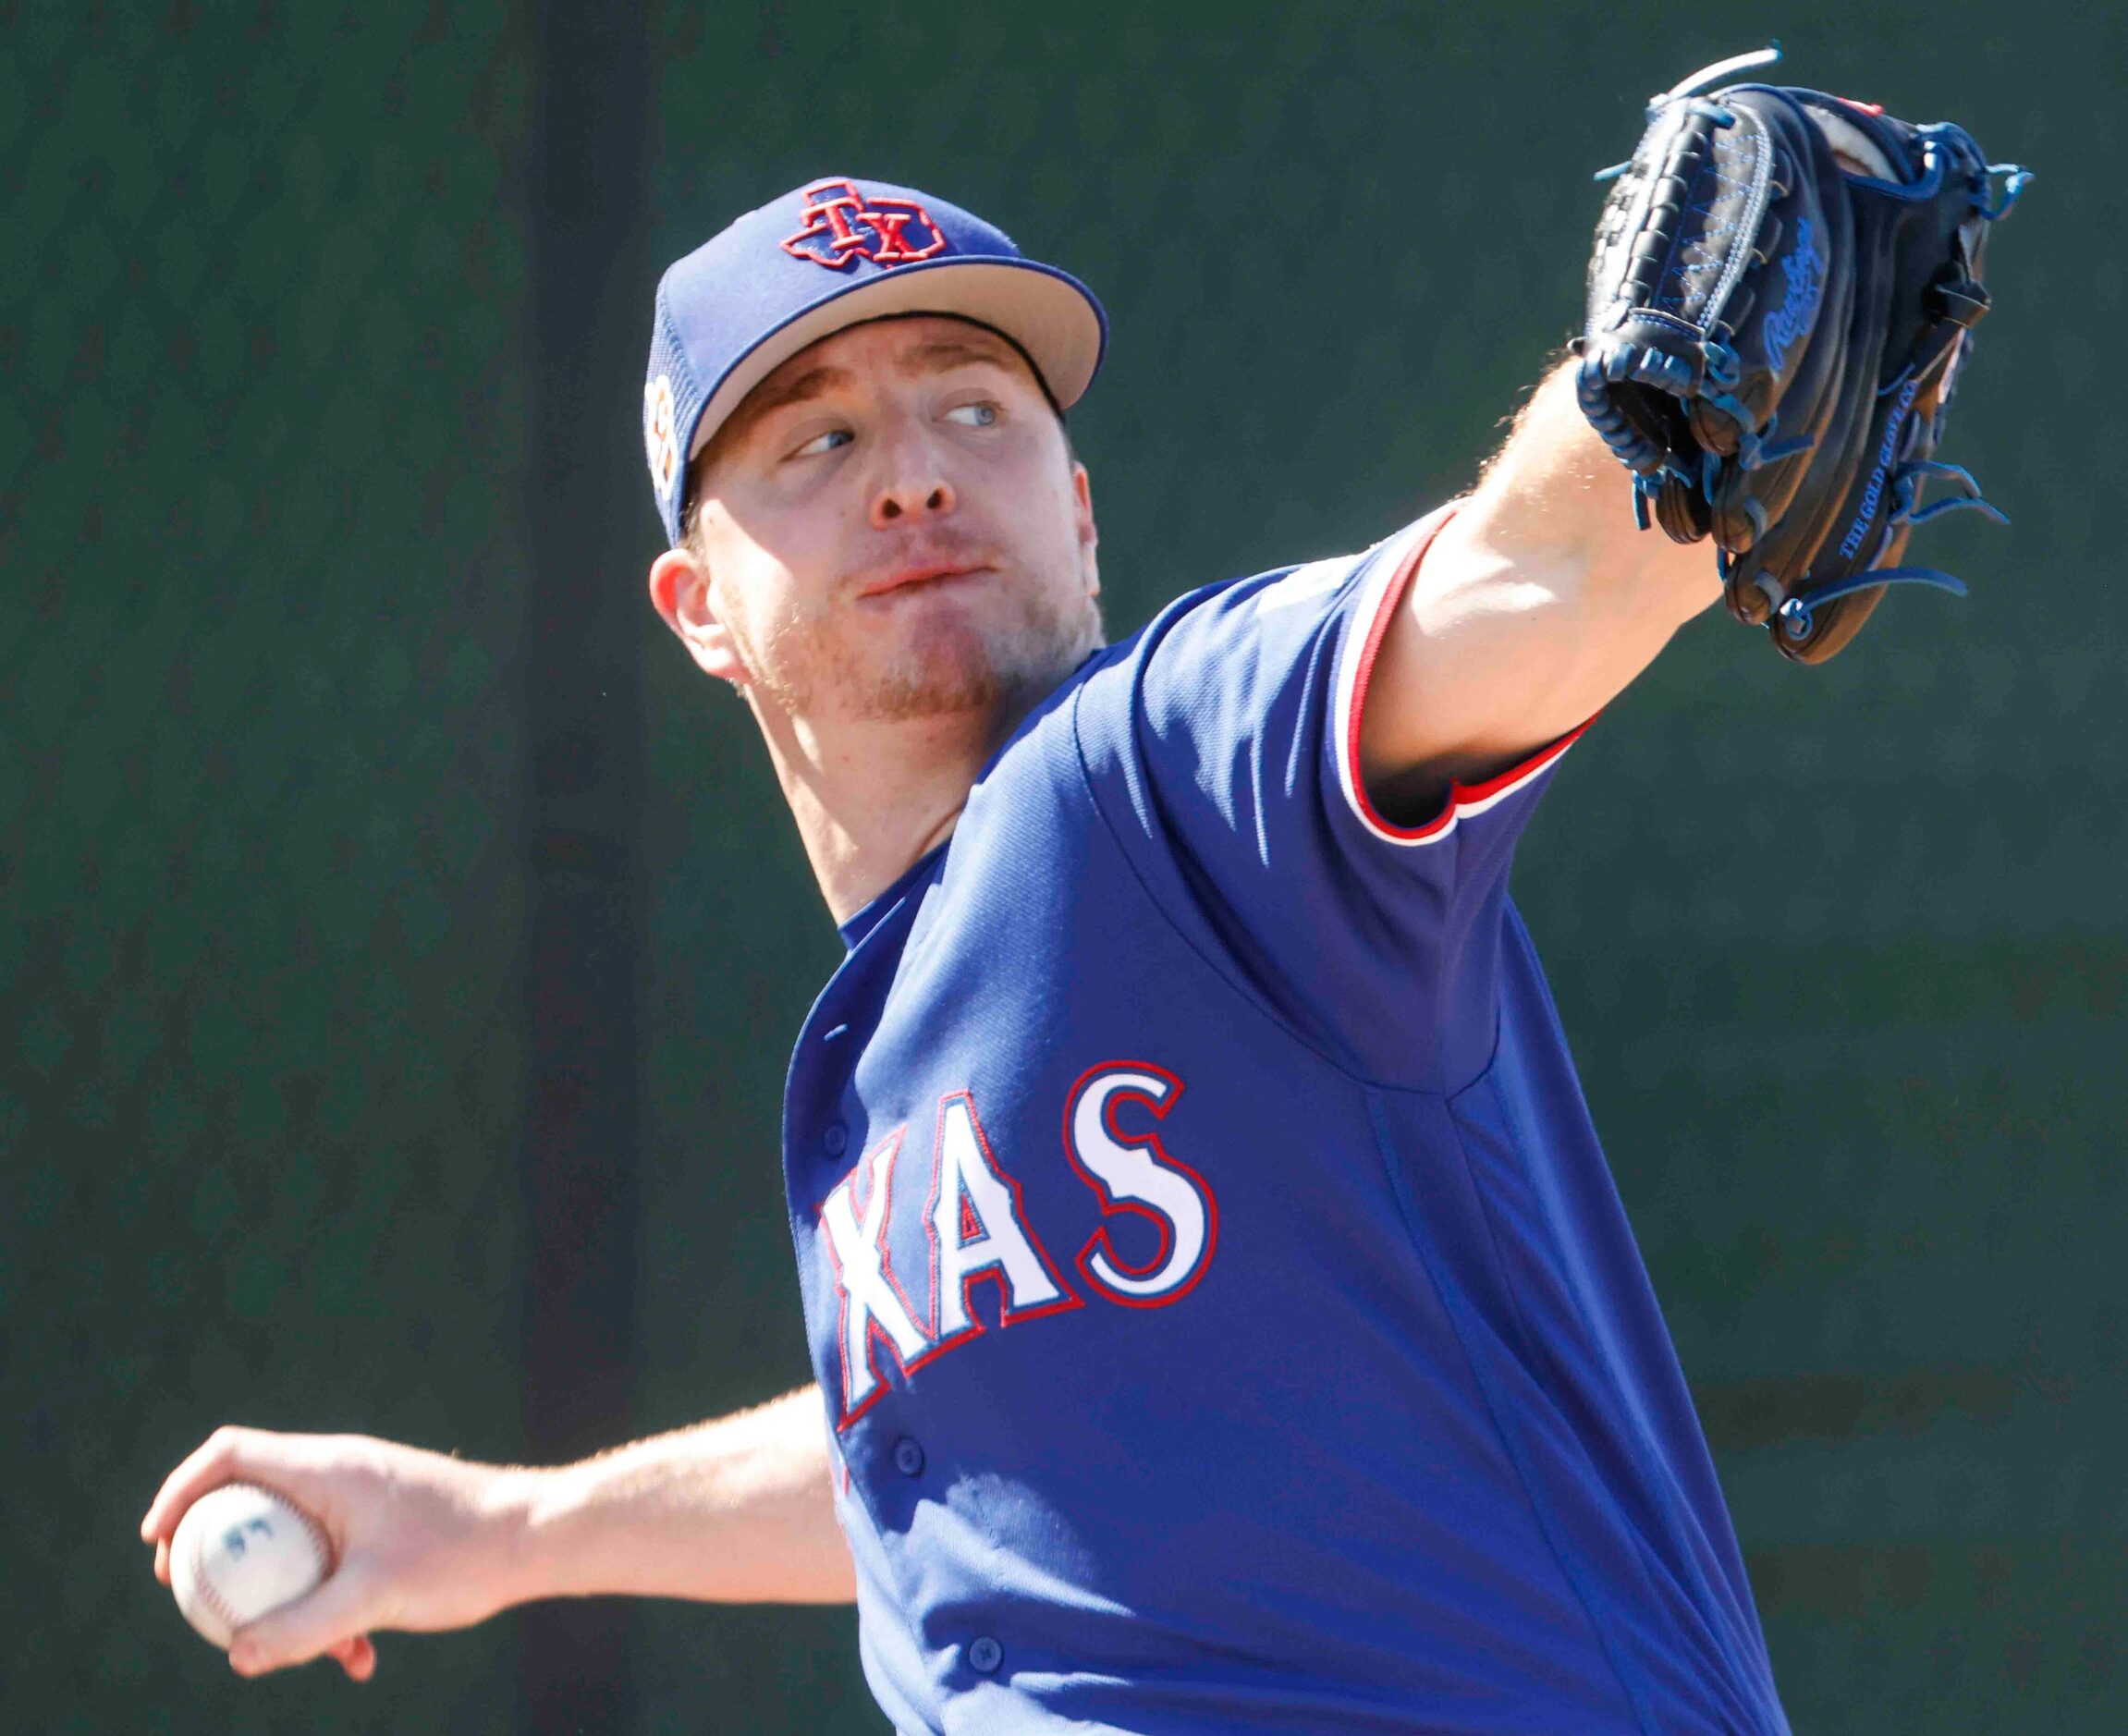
(680, 593)
(1089, 536)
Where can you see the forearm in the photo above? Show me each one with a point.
(1536, 606)
(1557, 505)
(739, 1509)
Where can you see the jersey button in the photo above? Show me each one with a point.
(836, 1140)
(908, 1458)
(985, 1654)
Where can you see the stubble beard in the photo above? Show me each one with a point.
(949, 662)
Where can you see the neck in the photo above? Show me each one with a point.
(872, 797)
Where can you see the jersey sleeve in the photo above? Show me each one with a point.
(1221, 747)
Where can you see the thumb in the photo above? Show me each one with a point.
(337, 1612)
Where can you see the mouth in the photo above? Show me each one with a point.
(925, 575)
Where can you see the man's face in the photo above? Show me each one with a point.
(890, 526)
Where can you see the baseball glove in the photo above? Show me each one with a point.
(1783, 294)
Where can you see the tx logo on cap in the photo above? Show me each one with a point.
(842, 228)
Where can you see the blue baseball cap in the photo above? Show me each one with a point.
(829, 255)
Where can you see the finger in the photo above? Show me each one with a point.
(212, 1463)
(337, 1612)
(163, 1560)
(357, 1657)
(287, 1463)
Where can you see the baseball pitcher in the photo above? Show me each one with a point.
(1221, 1313)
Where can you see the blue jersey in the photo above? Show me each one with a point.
(1226, 1319)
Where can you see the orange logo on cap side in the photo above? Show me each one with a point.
(660, 440)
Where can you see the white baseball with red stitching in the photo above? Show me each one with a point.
(241, 1552)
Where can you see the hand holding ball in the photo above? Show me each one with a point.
(241, 1552)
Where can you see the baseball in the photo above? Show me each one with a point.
(241, 1552)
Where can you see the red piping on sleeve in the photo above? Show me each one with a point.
(1463, 798)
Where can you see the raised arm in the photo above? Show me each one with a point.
(1536, 604)
(739, 1509)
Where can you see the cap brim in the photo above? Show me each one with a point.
(1047, 312)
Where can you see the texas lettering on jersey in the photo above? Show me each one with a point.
(975, 1228)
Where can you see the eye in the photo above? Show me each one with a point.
(824, 443)
(973, 415)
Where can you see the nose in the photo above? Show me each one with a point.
(913, 487)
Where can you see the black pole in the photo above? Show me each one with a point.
(590, 278)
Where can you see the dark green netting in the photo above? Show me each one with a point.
(260, 438)
(1844, 953)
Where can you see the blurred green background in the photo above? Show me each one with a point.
(1843, 953)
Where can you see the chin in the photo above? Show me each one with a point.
(954, 668)
(934, 685)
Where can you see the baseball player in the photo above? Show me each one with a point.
(1221, 1311)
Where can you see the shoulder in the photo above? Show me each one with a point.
(1233, 660)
